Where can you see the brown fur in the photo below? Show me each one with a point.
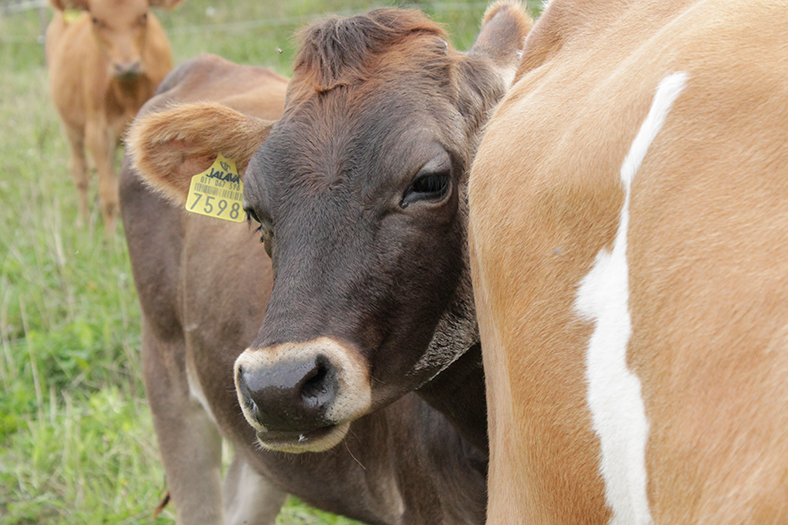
(94, 104)
(204, 285)
(339, 51)
(184, 140)
(706, 254)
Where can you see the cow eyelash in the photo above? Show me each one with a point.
(252, 216)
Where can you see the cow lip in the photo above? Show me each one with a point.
(127, 76)
(290, 438)
(317, 440)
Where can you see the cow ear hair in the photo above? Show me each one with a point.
(169, 147)
(488, 69)
(164, 4)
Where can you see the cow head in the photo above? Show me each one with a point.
(120, 28)
(359, 194)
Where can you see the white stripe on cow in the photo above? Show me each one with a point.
(614, 395)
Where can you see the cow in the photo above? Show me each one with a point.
(103, 65)
(204, 285)
(359, 194)
(629, 246)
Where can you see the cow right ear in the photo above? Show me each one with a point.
(169, 147)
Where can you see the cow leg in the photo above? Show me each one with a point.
(250, 498)
(78, 166)
(101, 143)
(190, 445)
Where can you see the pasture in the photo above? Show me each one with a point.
(76, 440)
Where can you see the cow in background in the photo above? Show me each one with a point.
(103, 65)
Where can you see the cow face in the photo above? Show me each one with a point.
(359, 194)
(120, 28)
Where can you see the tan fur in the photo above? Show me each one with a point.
(708, 245)
(95, 105)
(172, 146)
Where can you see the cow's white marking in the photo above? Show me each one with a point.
(614, 394)
(195, 389)
(253, 499)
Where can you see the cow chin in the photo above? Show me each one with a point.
(318, 440)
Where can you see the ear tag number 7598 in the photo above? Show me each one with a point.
(218, 192)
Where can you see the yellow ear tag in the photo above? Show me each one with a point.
(71, 15)
(218, 192)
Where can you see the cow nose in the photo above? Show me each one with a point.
(291, 397)
(128, 69)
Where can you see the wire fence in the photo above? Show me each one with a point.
(304, 19)
(245, 25)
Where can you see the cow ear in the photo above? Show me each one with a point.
(169, 147)
(164, 4)
(487, 71)
(62, 5)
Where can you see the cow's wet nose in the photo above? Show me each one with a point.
(127, 69)
(291, 397)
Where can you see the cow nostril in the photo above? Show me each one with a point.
(316, 384)
(243, 387)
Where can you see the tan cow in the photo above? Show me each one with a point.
(103, 65)
(629, 248)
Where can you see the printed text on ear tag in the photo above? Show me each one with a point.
(218, 192)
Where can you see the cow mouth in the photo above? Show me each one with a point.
(317, 440)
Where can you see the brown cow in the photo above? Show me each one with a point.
(204, 285)
(359, 190)
(103, 66)
(629, 240)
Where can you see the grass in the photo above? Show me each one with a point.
(76, 438)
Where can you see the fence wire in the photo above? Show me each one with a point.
(245, 25)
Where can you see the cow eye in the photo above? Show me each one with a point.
(427, 187)
(251, 215)
(266, 234)
(143, 19)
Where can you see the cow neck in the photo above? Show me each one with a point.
(458, 393)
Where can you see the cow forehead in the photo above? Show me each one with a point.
(334, 147)
(117, 10)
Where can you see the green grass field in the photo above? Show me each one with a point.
(76, 441)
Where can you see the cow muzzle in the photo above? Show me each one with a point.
(301, 397)
(127, 70)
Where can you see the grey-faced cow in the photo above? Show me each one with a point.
(203, 286)
(103, 65)
(205, 290)
(629, 240)
(359, 190)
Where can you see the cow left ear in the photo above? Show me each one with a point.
(169, 147)
(488, 69)
(164, 4)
